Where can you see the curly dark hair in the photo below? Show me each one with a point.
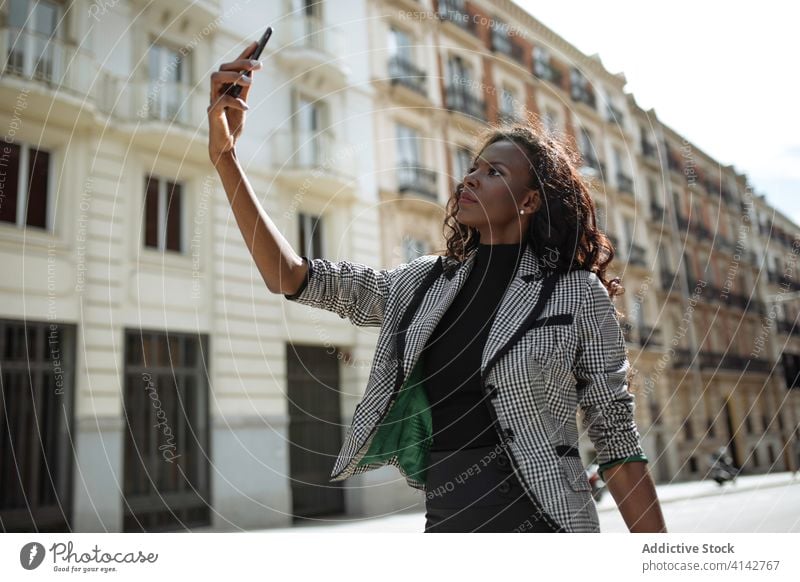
(564, 229)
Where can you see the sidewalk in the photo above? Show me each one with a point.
(414, 521)
(706, 488)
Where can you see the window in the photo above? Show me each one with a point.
(400, 45)
(652, 190)
(401, 65)
(628, 226)
(308, 121)
(462, 162)
(581, 91)
(543, 66)
(166, 482)
(169, 84)
(33, 49)
(24, 185)
(550, 120)
(311, 236)
(407, 146)
(600, 218)
(501, 41)
(586, 146)
(411, 175)
(508, 105)
(163, 214)
(37, 362)
(459, 72)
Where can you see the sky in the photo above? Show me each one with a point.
(723, 75)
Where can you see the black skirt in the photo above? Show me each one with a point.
(476, 490)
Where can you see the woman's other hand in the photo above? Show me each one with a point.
(226, 113)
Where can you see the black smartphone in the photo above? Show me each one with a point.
(235, 90)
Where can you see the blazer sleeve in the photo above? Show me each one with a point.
(351, 290)
(601, 367)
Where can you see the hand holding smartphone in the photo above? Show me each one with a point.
(235, 90)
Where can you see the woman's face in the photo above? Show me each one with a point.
(498, 182)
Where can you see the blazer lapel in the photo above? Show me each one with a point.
(422, 316)
(515, 307)
(516, 312)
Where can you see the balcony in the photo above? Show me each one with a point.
(624, 183)
(649, 337)
(637, 256)
(503, 43)
(656, 212)
(614, 115)
(669, 282)
(310, 46)
(460, 99)
(413, 178)
(649, 150)
(683, 358)
(674, 162)
(583, 95)
(405, 73)
(733, 362)
(454, 11)
(56, 75)
(789, 327)
(313, 161)
(547, 72)
(158, 114)
(701, 231)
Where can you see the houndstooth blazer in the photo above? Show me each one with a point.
(541, 362)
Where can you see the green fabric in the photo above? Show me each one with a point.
(407, 430)
(605, 466)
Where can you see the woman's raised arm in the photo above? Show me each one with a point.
(280, 266)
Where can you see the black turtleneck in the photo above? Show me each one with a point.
(453, 354)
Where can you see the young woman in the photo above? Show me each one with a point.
(486, 353)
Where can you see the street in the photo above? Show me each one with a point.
(758, 503)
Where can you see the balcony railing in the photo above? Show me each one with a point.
(171, 103)
(308, 150)
(682, 358)
(624, 183)
(614, 115)
(668, 281)
(45, 60)
(460, 99)
(637, 255)
(649, 337)
(788, 326)
(656, 211)
(547, 72)
(583, 95)
(649, 150)
(735, 362)
(503, 43)
(300, 31)
(413, 178)
(406, 73)
(454, 11)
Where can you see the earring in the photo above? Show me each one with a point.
(522, 212)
